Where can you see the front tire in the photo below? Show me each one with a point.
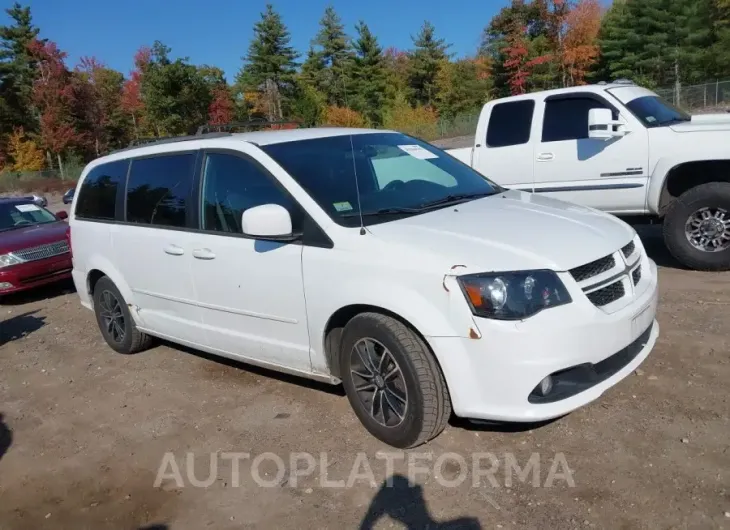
(114, 320)
(697, 227)
(393, 381)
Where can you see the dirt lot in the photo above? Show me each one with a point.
(84, 432)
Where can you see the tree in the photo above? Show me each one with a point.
(336, 55)
(17, 70)
(221, 108)
(53, 99)
(270, 65)
(580, 45)
(369, 76)
(657, 42)
(342, 117)
(25, 153)
(424, 64)
(176, 96)
(131, 101)
(463, 86)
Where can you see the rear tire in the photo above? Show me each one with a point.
(115, 322)
(403, 410)
(684, 217)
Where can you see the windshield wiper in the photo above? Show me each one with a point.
(456, 198)
(384, 211)
(675, 120)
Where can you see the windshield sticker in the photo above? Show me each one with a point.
(417, 151)
(650, 119)
(342, 206)
(27, 208)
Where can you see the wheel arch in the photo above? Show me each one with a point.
(338, 321)
(100, 267)
(681, 176)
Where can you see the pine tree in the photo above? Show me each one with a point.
(270, 65)
(425, 59)
(368, 75)
(336, 54)
(18, 70)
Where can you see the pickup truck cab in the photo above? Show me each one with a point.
(621, 149)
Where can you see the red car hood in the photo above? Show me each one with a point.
(32, 236)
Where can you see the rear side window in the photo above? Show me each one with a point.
(567, 119)
(510, 123)
(158, 190)
(98, 194)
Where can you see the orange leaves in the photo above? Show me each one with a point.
(343, 117)
(580, 46)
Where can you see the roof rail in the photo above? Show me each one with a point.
(247, 126)
(623, 81)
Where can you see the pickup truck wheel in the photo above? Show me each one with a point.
(115, 323)
(697, 227)
(392, 381)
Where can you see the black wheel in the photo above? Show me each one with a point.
(392, 381)
(115, 322)
(697, 227)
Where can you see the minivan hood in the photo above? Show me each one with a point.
(700, 119)
(32, 236)
(513, 230)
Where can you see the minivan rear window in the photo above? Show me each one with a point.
(158, 190)
(98, 194)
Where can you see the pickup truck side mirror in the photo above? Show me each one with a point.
(602, 126)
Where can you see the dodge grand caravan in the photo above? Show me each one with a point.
(367, 258)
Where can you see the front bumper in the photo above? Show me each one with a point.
(35, 273)
(491, 378)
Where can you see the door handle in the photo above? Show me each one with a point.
(544, 157)
(173, 250)
(203, 253)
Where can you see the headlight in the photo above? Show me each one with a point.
(513, 295)
(6, 260)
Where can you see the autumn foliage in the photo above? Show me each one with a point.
(335, 116)
(24, 153)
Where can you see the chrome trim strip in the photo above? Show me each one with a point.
(587, 187)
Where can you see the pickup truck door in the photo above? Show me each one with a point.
(609, 175)
(502, 150)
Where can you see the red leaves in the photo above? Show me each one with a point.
(53, 95)
(221, 108)
(519, 68)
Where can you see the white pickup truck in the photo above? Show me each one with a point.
(619, 148)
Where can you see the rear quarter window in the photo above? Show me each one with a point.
(98, 193)
(510, 123)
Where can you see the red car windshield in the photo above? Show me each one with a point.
(19, 214)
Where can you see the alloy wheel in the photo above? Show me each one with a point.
(112, 316)
(378, 382)
(708, 229)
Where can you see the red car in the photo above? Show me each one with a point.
(34, 245)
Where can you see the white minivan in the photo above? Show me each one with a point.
(367, 258)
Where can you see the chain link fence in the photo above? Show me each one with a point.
(709, 96)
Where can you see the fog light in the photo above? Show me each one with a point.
(546, 385)
(5, 285)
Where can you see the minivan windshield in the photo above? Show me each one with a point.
(397, 176)
(656, 112)
(15, 215)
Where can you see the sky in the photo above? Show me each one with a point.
(218, 32)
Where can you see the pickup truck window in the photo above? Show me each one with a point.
(567, 119)
(510, 123)
(653, 111)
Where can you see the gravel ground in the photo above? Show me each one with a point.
(84, 433)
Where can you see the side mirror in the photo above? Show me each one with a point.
(601, 125)
(268, 220)
(62, 215)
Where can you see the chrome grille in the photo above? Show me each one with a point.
(42, 251)
(594, 268)
(636, 275)
(608, 294)
(628, 249)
